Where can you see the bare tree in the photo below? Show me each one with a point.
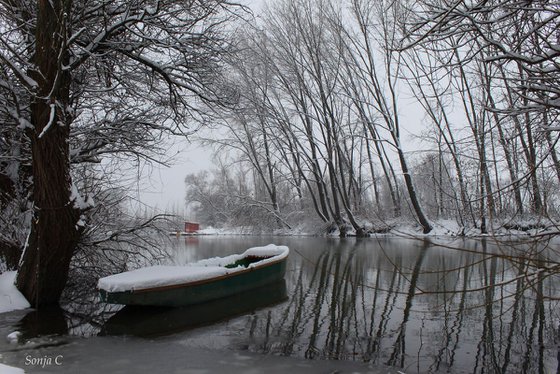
(378, 26)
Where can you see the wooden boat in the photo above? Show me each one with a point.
(198, 282)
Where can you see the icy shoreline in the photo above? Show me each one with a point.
(441, 228)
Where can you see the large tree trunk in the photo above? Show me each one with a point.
(54, 232)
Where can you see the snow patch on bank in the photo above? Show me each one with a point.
(10, 297)
(521, 228)
(226, 231)
(5, 369)
(301, 229)
(13, 337)
(160, 276)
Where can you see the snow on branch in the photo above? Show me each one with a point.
(25, 79)
(79, 202)
(97, 44)
(51, 120)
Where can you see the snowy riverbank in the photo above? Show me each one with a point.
(441, 228)
(10, 298)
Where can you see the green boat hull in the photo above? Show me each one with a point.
(201, 291)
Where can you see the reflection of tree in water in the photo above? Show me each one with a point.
(428, 309)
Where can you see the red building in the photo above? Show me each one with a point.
(191, 227)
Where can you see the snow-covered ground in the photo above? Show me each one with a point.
(450, 228)
(10, 298)
(444, 227)
(5, 369)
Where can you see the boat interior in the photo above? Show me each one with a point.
(246, 261)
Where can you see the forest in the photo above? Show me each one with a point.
(328, 93)
(309, 108)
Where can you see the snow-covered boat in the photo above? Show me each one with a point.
(198, 282)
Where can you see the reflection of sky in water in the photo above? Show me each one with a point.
(404, 303)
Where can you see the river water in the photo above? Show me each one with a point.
(379, 305)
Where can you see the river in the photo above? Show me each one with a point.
(379, 305)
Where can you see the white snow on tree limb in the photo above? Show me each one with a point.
(24, 78)
(81, 222)
(91, 48)
(75, 36)
(78, 200)
(24, 124)
(51, 120)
